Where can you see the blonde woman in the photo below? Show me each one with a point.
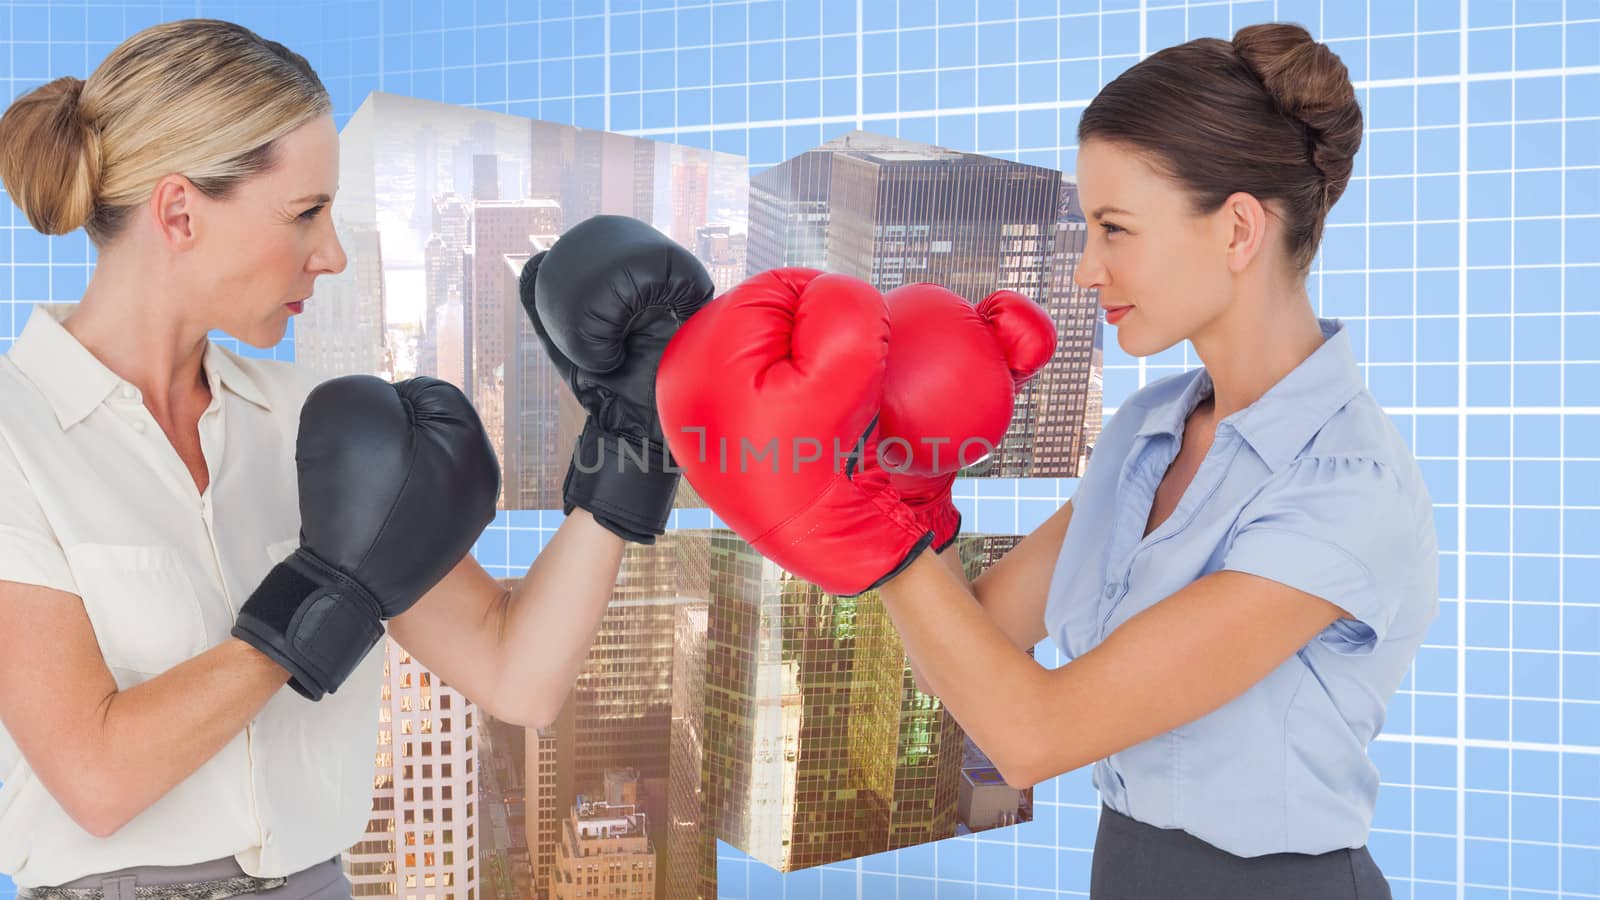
(182, 701)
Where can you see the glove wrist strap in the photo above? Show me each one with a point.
(628, 484)
(313, 620)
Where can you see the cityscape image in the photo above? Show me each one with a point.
(723, 699)
(461, 199)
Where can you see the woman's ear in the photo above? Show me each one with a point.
(1244, 222)
(172, 209)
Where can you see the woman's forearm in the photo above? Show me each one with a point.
(966, 660)
(153, 735)
(551, 618)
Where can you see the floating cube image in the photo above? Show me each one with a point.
(814, 743)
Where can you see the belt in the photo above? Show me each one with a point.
(210, 880)
(127, 887)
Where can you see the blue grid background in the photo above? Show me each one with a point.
(1465, 257)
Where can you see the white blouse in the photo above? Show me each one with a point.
(95, 501)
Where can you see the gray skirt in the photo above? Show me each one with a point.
(1135, 861)
(211, 880)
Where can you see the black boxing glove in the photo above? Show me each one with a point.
(604, 301)
(396, 483)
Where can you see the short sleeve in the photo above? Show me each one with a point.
(1340, 528)
(29, 551)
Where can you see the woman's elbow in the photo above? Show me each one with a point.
(527, 709)
(1023, 765)
(1017, 778)
(100, 808)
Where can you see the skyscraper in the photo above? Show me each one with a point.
(493, 310)
(1066, 407)
(789, 212)
(485, 177)
(542, 418)
(422, 838)
(443, 256)
(691, 193)
(688, 868)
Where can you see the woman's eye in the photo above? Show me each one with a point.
(312, 212)
(1110, 228)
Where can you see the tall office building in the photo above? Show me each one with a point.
(1066, 407)
(542, 813)
(688, 869)
(789, 210)
(541, 417)
(691, 193)
(621, 703)
(439, 351)
(485, 177)
(422, 838)
(493, 311)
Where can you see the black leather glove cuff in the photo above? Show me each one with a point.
(922, 544)
(627, 484)
(311, 619)
(953, 535)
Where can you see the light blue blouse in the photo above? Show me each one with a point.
(1311, 486)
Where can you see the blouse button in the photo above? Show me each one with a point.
(138, 426)
(1111, 591)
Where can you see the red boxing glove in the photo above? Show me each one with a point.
(954, 371)
(765, 393)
